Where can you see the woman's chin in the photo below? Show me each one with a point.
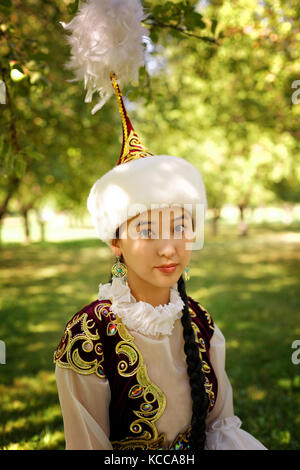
(166, 280)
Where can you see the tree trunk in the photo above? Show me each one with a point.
(243, 226)
(288, 218)
(12, 187)
(25, 213)
(1, 228)
(216, 216)
(42, 225)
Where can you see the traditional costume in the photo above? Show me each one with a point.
(120, 366)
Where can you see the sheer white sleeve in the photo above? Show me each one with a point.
(84, 401)
(223, 427)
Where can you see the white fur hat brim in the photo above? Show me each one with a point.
(133, 187)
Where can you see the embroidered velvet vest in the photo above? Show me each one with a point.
(96, 341)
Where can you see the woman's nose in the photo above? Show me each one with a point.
(167, 247)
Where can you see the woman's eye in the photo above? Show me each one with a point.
(181, 225)
(147, 231)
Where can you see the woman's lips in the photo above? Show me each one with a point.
(171, 269)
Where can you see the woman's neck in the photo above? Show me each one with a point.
(145, 292)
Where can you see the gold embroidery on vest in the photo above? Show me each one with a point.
(209, 319)
(149, 412)
(205, 367)
(87, 342)
(192, 313)
(102, 309)
(198, 338)
(181, 441)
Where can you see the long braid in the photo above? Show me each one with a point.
(197, 379)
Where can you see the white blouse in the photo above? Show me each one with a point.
(158, 333)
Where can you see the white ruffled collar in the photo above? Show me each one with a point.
(142, 316)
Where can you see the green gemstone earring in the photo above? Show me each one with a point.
(119, 270)
(186, 274)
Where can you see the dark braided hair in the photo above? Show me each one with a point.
(197, 379)
(194, 369)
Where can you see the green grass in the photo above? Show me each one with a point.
(250, 285)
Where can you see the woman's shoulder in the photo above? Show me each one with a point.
(95, 310)
(80, 347)
(201, 317)
(85, 316)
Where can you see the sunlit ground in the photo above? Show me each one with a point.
(250, 285)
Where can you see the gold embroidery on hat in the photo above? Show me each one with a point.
(132, 148)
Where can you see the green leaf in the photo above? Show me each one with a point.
(73, 7)
(296, 381)
(213, 26)
(167, 12)
(157, 11)
(20, 166)
(6, 3)
(194, 20)
(36, 155)
(4, 10)
(18, 67)
(40, 56)
(175, 33)
(154, 35)
(5, 6)
(7, 157)
(1, 144)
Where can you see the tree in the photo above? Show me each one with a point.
(228, 110)
(43, 112)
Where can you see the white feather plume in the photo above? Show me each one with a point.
(106, 36)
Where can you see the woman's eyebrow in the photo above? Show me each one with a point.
(181, 217)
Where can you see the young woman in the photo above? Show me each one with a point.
(142, 366)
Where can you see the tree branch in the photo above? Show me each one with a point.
(155, 22)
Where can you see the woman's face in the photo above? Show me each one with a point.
(154, 238)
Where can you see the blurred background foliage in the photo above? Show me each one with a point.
(217, 84)
(220, 88)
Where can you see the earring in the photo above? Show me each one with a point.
(119, 270)
(186, 274)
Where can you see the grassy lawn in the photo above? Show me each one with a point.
(250, 285)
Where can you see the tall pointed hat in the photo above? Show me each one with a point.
(106, 53)
(132, 147)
